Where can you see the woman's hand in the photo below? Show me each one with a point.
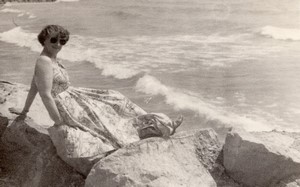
(58, 123)
(17, 111)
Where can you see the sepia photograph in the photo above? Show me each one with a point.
(149, 93)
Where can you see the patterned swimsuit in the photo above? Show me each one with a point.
(103, 113)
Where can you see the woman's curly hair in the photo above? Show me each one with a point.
(49, 29)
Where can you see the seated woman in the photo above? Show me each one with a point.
(99, 112)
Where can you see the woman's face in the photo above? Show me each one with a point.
(54, 43)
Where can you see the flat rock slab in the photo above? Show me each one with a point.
(261, 158)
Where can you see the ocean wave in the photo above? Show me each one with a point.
(139, 54)
(19, 12)
(186, 101)
(281, 33)
(124, 15)
(76, 52)
(21, 38)
(118, 71)
(125, 57)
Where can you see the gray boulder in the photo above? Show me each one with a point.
(262, 158)
(27, 155)
(293, 181)
(182, 160)
(28, 158)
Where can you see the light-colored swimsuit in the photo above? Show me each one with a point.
(106, 114)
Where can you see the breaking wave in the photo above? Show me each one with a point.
(281, 33)
(181, 100)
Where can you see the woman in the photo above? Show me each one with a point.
(99, 112)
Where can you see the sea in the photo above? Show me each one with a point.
(220, 64)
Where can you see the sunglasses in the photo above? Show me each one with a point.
(61, 41)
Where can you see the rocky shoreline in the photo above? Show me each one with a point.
(34, 154)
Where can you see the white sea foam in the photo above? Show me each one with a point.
(21, 38)
(20, 15)
(19, 12)
(10, 10)
(186, 101)
(281, 33)
(31, 16)
(295, 110)
(118, 71)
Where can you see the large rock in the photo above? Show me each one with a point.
(27, 155)
(182, 160)
(28, 158)
(262, 158)
(293, 181)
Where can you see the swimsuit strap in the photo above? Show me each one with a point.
(60, 64)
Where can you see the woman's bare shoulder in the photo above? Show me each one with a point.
(43, 59)
(43, 63)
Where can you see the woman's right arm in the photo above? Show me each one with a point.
(43, 79)
(30, 97)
